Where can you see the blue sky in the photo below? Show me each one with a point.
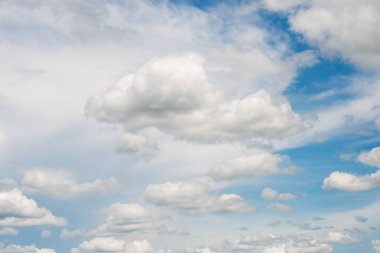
(189, 126)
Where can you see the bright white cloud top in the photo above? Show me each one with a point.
(162, 126)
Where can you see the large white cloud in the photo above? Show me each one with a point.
(103, 244)
(253, 165)
(14, 248)
(63, 184)
(194, 196)
(350, 182)
(111, 244)
(126, 218)
(16, 210)
(173, 94)
(371, 157)
(349, 28)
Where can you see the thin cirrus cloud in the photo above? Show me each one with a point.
(62, 184)
(194, 196)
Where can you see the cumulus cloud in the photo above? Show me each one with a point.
(376, 245)
(142, 246)
(111, 244)
(13, 248)
(126, 218)
(349, 28)
(103, 244)
(272, 194)
(253, 165)
(371, 157)
(131, 143)
(174, 95)
(280, 207)
(341, 238)
(194, 196)
(350, 182)
(299, 247)
(69, 234)
(62, 184)
(16, 210)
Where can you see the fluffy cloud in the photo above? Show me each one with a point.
(111, 244)
(371, 157)
(103, 244)
(173, 94)
(349, 28)
(62, 184)
(349, 182)
(376, 245)
(17, 210)
(254, 165)
(142, 246)
(280, 207)
(125, 218)
(272, 194)
(69, 234)
(299, 247)
(341, 238)
(194, 196)
(13, 248)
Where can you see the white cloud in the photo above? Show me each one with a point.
(299, 247)
(272, 194)
(280, 207)
(17, 210)
(349, 28)
(8, 231)
(46, 233)
(282, 5)
(340, 238)
(126, 218)
(253, 165)
(173, 94)
(131, 143)
(142, 246)
(194, 196)
(371, 157)
(350, 182)
(111, 244)
(103, 244)
(376, 245)
(13, 248)
(62, 184)
(69, 234)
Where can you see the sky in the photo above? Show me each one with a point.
(189, 126)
